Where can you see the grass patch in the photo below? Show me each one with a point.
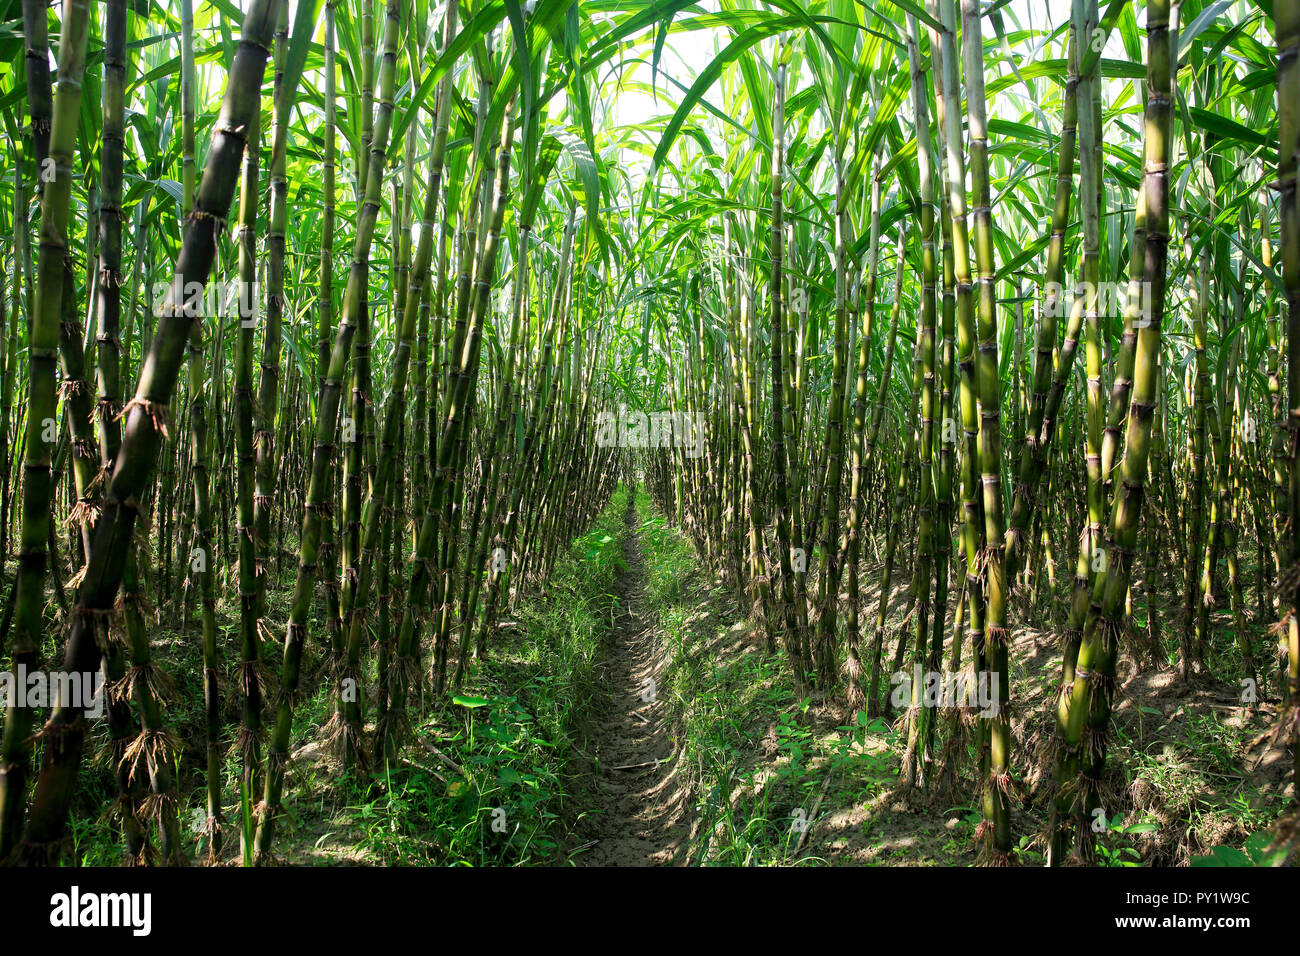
(482, 781)
(758, 758)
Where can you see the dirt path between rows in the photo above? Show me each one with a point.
(635, 813)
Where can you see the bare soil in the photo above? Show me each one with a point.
(635, 814)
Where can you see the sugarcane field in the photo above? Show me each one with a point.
(707, 433)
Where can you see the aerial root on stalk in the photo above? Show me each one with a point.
(1277, 633)
(1099, 682)
(354, 747)
(1288, 583)
(989, 553)
(154, 747)
(280, 696)
(967, 715)
(331, 733)
(954, 748)
(853, 672)
(344, 672)
(197, 215)
(904, 720)
(246, 745)
(264, 632)
(1052, 749)
(70, 387)
(346, 741)
(38, 853)
(988, 855)
(160, 807)
(249, 532)
(398, 728)
(254, 678)
(97, 484)
(1016, 536)
(1005, 784)
(1093, 746)
(157, 412)
(1096, 791)
(74, 582)
(277, 762)
(259, 811)
(91, 616)
(137, 601)
(211, 829)
(122, 807)
(855, 697)
(109, 756)
(1071, 791)
(147, 855)
(406, 669)
(147, 677)
(1285, 731)
(86, 450)
(1108, 633)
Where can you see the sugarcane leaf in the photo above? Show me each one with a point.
(484, 19)
(1226, 128)
(523, 64)
(1187, 36)
(917, 11)
(304, 26)
(733, 51)
(585, 163)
